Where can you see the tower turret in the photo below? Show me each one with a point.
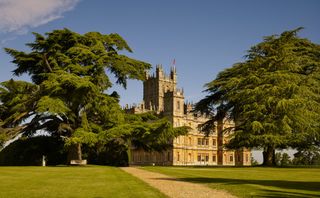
(159, 72)
(173, 74)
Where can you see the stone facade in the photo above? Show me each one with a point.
(160, 94)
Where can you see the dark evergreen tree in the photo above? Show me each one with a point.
(147, 131)
(273, 96)
(68, 95)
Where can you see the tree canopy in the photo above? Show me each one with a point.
(68, 95)
(148, 131)
(273, 96)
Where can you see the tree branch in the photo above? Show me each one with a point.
(47, 62)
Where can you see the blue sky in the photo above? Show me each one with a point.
(204, 37)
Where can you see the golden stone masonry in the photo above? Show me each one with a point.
(160, 94)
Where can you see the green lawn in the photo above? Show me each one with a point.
(89, 181)
(252, 181)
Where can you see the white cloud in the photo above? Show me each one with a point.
(20, 15)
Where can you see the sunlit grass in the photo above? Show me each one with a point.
(89, 181)
(252, 181)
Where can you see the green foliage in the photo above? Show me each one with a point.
(147, 131)
(155, 135)
(273, 96)
(2, 140)
(29, 151)
(282, 159)
(68, 96)
(285, 159)
(112, 153)
(278, 158)
(307, 156)
(81, 136)
(52, 105)
(17, 99)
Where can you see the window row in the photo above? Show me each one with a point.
(200, 141)
(201, 157)
(205, 142)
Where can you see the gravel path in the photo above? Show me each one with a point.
(174, 188)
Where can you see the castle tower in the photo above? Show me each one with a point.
(160, 94)
(155, 88)
(174, 106)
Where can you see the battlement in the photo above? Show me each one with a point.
(136, 108)
(161, 75)
(174, 93)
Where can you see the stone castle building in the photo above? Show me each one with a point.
(160, 94)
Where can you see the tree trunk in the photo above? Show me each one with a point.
(74, 152)
(269, 156)
(129, 151)
(79, 153)
(220, 141)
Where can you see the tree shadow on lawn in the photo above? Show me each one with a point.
(289, 185)
(278, 193)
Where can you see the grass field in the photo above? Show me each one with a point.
(89, 181)
(252, 181)
(102, 181)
